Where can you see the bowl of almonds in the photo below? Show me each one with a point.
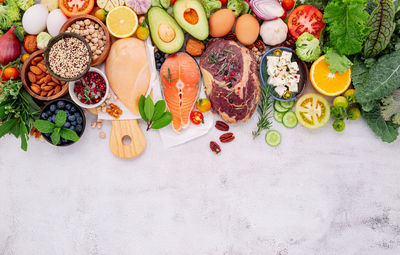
(37, 80)
(95, 33)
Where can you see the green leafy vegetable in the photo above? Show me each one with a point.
(387, 131)
(69, 134)
(337, 63)
(390, 108)
(308, 47)
(346, 22)
(380, 81)
(55, 137)
(25, 4)
(60, 119)
(9, 13)
(211, 6)
(44, 126)
(265, 111)
(382, 27)
(154, 115)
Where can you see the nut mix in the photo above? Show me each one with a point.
(41, 82)
(91, 88)
(69, 57)
(93, 33)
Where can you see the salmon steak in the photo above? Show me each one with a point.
(180, 81)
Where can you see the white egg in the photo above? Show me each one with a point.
(34, 19)
(55, 20)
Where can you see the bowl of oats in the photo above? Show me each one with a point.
(68, 57)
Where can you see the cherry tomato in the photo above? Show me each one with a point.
(196, 117)
(172, 2)
(10, 73)
(223, 2)
(75, 7)
(305, 18)
(1, 1)
(288, 4)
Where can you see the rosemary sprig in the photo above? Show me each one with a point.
(224, 85)
(265, 111)
(169, 77)
(230, 93)
(213, 59)
(222, 68)
(238, 108)
(229, 51)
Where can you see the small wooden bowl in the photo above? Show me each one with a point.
(26, 82)
(107, 46)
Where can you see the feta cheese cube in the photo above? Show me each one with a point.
(280, 90)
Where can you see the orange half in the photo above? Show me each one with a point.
(327, 83)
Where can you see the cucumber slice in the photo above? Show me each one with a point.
(155, 3)
(278, 107)
(165, 3)
(289, 120)
(278, 116)
(273, 138)
(287, 104)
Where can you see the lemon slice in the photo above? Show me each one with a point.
(122, 22)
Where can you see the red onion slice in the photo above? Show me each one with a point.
(266, 9)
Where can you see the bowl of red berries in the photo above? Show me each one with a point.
(91, 90)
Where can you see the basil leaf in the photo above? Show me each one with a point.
(6, 126)
(55, 138)
(60, 119)
(24, 136)
(44, 126)
(381, 22)
(149, 108)
(159, 109)
(164, 121)
(69, 134)
(2, 111)
(15, 130)
(141, 108)
(29, 99)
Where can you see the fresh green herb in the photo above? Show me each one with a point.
(382, 26)
(229, 51)
(238, 108)
(211, 58)
(230, 93)
(337, 63)
(154, 115)
(346, 21)
(222, 68)
(265, 111)
(224, 85)
(390, 108)
(9, 13)
(56, 129)
(169, 77)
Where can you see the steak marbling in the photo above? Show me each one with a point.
(231, 79)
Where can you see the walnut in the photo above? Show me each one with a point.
(194, 47)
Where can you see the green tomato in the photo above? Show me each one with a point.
(353, 113)
(339, 125)
(340, 101)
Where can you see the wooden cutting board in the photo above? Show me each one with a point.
(126, 139)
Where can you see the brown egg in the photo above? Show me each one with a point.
(247, 29)
(221, 22)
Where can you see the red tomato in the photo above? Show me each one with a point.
(75, 7)
(283, 17)
(223, 2)
(305, 18)
(196, 117)
(288, 4)
(10, 73)
(1, 1)
(172, 2)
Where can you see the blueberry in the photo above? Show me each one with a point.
(66, 112)
(44, 115)
(79, 128)
(158, 65)
(64, 141)
(49, 119)
(157, 55)
(74, 123)
(60, 104)
(57, 111)
(67, 124)
(72, 128)
(53, 118)
(49, 113)
(73, 109)
(77, 114)
(47, 135)
(67, 106)
(162, 59)
(53, 108)
(71, 118)
(79, 120)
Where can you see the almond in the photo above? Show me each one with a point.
(31, 77)
(47, 78)
(43, 93)
(40, 76)
(51, 92)
(52, 83)
(62, 82)
(35, 70)
(47, 88)
(35, 88)
(57, 90)
(41, 81)
(55, 80)
(42, 67)
(38, 59)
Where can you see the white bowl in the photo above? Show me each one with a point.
(87, 106)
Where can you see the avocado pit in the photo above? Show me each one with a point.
(166, 33)
(191, 16)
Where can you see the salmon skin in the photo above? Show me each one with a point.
(180, 78)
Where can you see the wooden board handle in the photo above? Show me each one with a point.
(126, 130)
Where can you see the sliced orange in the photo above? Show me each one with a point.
(327, 83)
(122, 22)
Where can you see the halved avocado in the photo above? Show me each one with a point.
(191, 16)
(165, 32)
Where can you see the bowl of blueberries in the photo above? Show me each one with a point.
(160, 57)
(76, 120)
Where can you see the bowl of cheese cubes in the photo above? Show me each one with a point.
(283, 73)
